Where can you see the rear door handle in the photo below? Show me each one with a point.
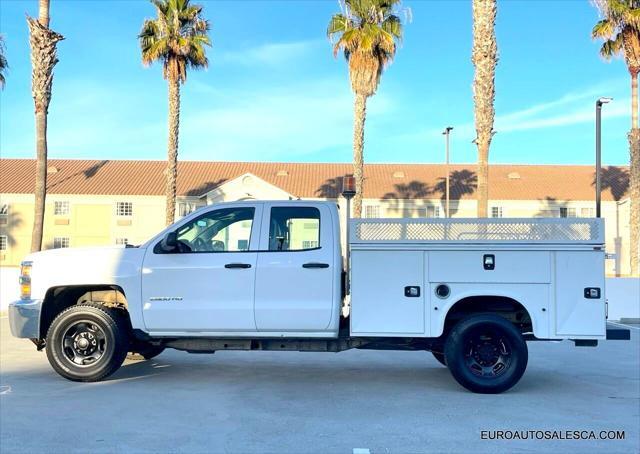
(315, 265)
(237, 265)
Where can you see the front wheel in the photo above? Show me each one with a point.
(486, 354)
(88, 342)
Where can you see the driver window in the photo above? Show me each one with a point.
(225, 230)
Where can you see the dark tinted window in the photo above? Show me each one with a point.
(294, 228)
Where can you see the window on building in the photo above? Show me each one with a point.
(496, 212)
(186, 208)
(124, 208)
(121, 241)
(567, 212)
(372, 211)
(4, 242)
(433, 212)
(60, 242)
(217, 231)
(587, 212)
(4, 213)
(294, 228)
(309, 244)
(61, 208)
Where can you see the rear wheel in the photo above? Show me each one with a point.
(88, 342)
(486, 354)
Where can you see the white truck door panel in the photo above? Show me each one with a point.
(210, 286)
(195, 292)
(294, 289)
(577, 315)
(379, 305)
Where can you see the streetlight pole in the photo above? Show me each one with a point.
(599, 103)
(446, 132)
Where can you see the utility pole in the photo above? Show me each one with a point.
(446, 133)
(599, 103)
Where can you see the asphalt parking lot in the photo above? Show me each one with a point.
(281, 402)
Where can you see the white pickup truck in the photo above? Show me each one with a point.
(269, 275)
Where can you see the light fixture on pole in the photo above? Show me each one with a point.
(599, 103)
(446, 133)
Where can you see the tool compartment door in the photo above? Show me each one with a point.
(388, 293)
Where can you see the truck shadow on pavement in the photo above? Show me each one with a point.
(281, 372)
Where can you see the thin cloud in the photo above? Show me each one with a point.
(269, 54)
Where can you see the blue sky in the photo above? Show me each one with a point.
(274, 92)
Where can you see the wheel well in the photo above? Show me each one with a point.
(57, 299)
(503, 306)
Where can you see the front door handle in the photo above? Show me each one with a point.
(315, 265)
(237, 265)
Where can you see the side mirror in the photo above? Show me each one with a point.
(170, 242)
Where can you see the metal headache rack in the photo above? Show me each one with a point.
(585, 231)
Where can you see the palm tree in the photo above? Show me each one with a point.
(485, 58)
(177, 38)
(43, 43)
(3, 63)
(366, 31)
(620, 30)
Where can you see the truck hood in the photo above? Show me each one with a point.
(108, 265)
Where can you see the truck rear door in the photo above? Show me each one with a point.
(296, 270)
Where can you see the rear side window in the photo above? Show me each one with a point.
(294, 228)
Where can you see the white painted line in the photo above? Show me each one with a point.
(361, 451)
(626, 326)
(5, 389)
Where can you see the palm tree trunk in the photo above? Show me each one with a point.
(43, 58)
(634, 100)
(43, 13)
(634, 185)
(40, 191)
(483, 180)
(359, 117)
(485, 58)
(172, 148)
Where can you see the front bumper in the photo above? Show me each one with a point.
(24, 318)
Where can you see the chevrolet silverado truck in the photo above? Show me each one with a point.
(270, 275)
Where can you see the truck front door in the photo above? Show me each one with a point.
(205, 283)
(296, 274)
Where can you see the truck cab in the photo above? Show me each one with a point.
(246, 269)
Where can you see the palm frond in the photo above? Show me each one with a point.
(612, 47)
(604, 29)
(177, 37)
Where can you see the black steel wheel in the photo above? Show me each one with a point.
(88, 342)
(440, 357)
(486, 353)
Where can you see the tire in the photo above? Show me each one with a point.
(144, 352)
(440, 357)
(486, 354)
(88, 342)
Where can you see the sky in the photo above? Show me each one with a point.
(274, 92)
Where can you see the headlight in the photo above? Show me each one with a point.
(25, 280)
